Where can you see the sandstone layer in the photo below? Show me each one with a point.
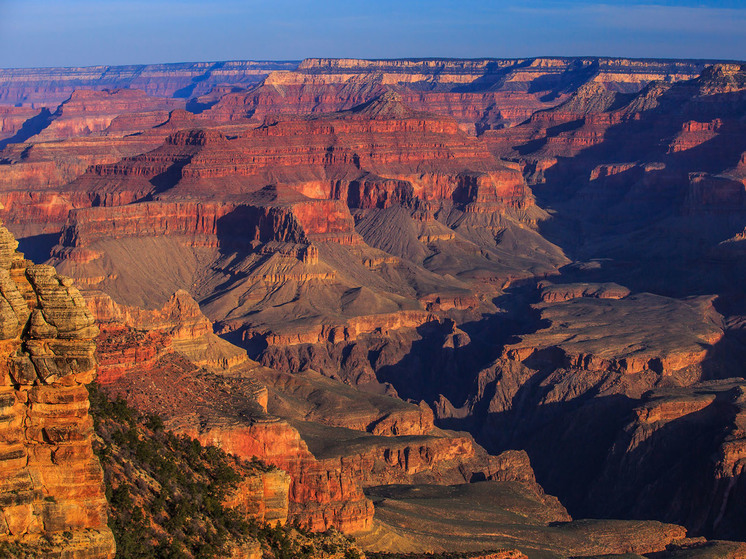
(52, 499)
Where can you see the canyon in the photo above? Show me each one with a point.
(509, 287)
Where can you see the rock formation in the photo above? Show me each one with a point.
(545, 253)
(12, 120)
(227, 407)
(51, 497)
(50, 86)
(87, 112)
(286, 212)
(230, 410)
(479, 94)
(698, 432)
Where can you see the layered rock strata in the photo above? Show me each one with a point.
(87, 112)
(225, 408)
(332, 440)
(51, 86)
(51, 496)
(255, 208)
(479, 94)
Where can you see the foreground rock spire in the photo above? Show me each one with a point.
(52, 500)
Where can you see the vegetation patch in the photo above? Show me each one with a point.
(167, 492)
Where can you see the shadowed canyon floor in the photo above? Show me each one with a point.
(436, 293)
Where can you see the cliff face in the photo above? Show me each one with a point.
(690, 434)
(281, 196)
(238, 405)
(643, 389)
(342, 223)
(449, 70)
(51, 496)
(87, 112)
(479, 94)
(578, 328)
(686, 133)
(12, 120)
(50, 86)
(166, 346)
(152, 476)
(321, 157)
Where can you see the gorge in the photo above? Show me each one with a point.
(451, 305)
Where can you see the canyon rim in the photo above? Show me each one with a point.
(376, 306)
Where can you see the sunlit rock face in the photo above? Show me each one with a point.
(51, 483)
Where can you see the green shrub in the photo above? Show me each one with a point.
(166, 493)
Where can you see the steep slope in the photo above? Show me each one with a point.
(332, 439)
(567, 283)
(87, 112)
(688, 140)
(169, 495)
(13, 122)
(682, 455)
(335, 440)
(574, 392)
(90, 128)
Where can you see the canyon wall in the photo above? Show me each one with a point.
(479, 94)
(545, 253)
(52, 498)
(50, 86)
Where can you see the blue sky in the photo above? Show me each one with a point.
(90, 32)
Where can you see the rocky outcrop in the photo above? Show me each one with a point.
(135, 337)
(332, 440)
(297, 223)
(142, 353)
(51, 496)
(557, 293)
(337, 333)
(321, 495)
(681, 455)
(580, 330)
(375, 240)
(282, 196)
(262, 497)
(12, 120)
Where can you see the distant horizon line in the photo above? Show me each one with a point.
(409, 59)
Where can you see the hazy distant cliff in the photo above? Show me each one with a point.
(51, 86)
